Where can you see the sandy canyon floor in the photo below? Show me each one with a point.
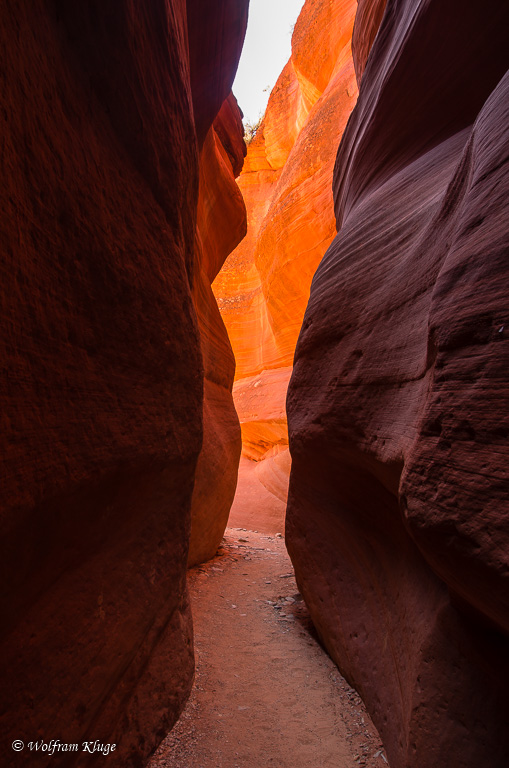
(266, 694)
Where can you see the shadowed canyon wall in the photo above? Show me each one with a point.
(398, 520)
(221, 224)
(286, 182)
(108, 327)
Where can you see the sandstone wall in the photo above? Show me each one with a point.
(287, 184)
(221, 225)
(106, 107)
(398, 521)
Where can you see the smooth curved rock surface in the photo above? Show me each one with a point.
(101, 388)
(221, 225)
(367, 22)
(398, 519)
(262, 413)
(256, 507)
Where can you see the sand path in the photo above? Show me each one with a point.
(265, 694)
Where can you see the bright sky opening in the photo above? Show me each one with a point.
(266, 50)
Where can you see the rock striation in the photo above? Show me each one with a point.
(286, 182)
(398, 521)
(108, 326)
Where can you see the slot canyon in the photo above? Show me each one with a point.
(254, 394)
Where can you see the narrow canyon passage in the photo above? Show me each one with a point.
(265, 693)
(321, 295)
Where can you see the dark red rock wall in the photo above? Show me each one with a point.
(398, 518)
(216, 37)
(367, 22)
(101, 389)
(221, 225)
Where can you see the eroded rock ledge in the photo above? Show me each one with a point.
(397, 523)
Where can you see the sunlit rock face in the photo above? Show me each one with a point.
(102, 374)
(398, 522)
(286, 182)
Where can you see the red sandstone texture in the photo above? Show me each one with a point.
(367, 22)
(101, 389)
(221, 225)
(398, 520)
(264, 286)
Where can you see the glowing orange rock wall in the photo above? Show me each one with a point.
(286, 182)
